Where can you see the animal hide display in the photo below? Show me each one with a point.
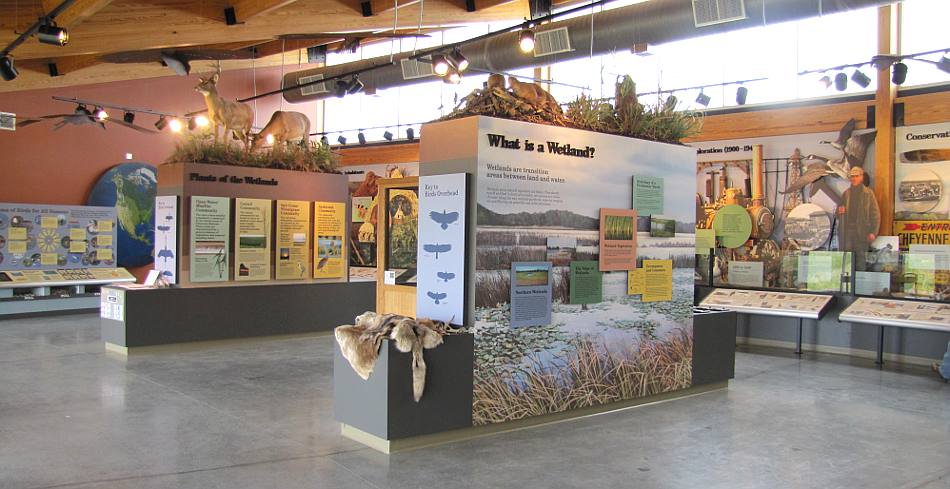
(360, 343)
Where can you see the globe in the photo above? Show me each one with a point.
(130, 187)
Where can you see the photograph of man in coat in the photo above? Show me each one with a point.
(860, 218)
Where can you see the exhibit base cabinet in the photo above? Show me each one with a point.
(569, 255)
(134, 318)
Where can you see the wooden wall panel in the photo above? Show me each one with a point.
(799, 119)
(928, 108)
(381, 153)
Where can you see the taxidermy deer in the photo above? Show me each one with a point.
(283, 127)
(234, 116)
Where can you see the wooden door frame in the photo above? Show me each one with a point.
(382, 214)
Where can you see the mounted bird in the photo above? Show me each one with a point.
(81, 117)
(853, 148)
(177, 59)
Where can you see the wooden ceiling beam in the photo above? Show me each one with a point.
(375, 7)
(245, 10)
(77, 12)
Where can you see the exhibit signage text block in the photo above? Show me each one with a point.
(440, 286)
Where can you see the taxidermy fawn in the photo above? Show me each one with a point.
(283, 127)
(234, 116)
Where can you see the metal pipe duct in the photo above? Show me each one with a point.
(652, 22)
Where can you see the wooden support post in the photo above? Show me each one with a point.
(888, 20)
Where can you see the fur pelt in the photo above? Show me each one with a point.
(360, 342)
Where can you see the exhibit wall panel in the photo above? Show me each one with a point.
(536, 212)
(187, 179)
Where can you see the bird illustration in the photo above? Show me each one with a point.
(323, 262)
(446, 276)
(81, 117)
(444, 218)
(166, 254)
(436, 296)
(437, 248)
(853, 147)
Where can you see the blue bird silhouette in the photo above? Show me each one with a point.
(436, 296)
(163, 228)
(446, 276)
(166, 253)
(437, 248)
(444, 218)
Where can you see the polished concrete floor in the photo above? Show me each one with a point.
(258, 415)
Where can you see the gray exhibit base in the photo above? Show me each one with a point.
(379, 412)
(382, 405)
(714, 347)
(155, 317)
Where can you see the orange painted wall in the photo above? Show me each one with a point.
(40, 165)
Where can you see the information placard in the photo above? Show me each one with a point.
(587, 283)
(329, 254)
(530, 294)
(293, 239)
(44, 237)
(440, 283)
(252, 237)
(618, 239)
(647, 195)
(166, 237)
(210, 227)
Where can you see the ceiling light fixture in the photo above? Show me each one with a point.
(440, 65)
(458, 60)
(324, 140)
(900, 74)
(841, 82)
(174, 125)
(860, 78)
(702, 99)
(341, 140)
(526, 40)
(192, 124)
(128, 117)
(355, 86)
(388, 136)
(101, 114)
(49, 33)
(826, 81)
(361, 137)
(202, 121)
(453, 78)
(742, 93)
(341, 88)
(161, 123)
(410, 133)
(7, 70)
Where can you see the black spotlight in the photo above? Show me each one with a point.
(48, 33)
(742, 93)
(440, 65)
(944, 64)
(192, 124)
(324, 140)
(410, 134)
(900, 74)
(128, 117)
(841, 82)
(702, 99)
(355, 86)
(388, 136)
(7, 70)
(361, 137)
(458, 60)
(341, 140)
(860, 78)
(341, 88)
(526, 40)
(161, 123)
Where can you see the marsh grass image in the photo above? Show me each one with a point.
(529, 275)
(253, 241)
(587, 375)
(618, 227)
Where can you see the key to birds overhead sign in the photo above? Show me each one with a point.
(440, 282)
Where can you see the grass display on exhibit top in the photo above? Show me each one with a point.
(626, 116)
(200, 148)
